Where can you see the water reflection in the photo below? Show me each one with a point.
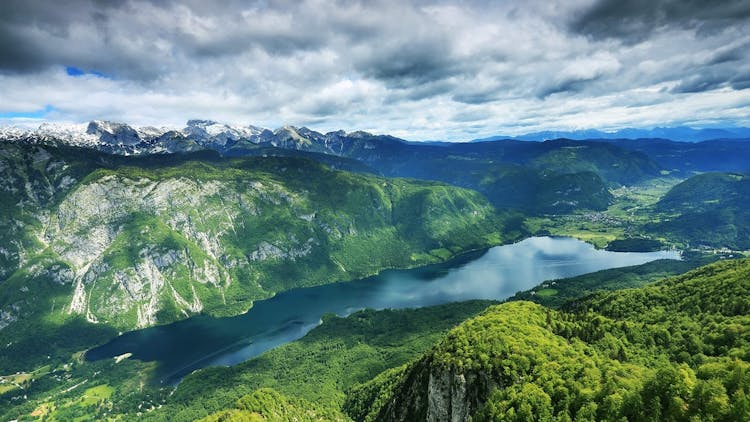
(496, 273)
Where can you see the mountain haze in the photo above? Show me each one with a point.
(677, 133)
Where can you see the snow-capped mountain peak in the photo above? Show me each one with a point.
(149, 132)
(69, 133)
(120, 138)
(14, 132)
(113, 133)
(214, 132)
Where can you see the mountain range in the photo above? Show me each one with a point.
(106, 227)
(557, 175)
(678, 133)
(121, 138)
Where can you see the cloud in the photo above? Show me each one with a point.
(407, 64)
(578, 73)
(420, 69)
(636, 19)
(86, 34)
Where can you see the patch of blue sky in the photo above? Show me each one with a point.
(36, 114)
(76, 72)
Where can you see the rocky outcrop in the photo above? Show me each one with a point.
(435, 393)
(113, 133)
(94, 230)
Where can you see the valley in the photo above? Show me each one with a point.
(492, 274)
(374, 211)
(198, 247)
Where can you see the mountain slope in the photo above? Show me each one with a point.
(675, 350)
(465, 165)
(557, 293)
(132, 242)
(711, 209)
(549, 177)
(318, 368)
(725, 155)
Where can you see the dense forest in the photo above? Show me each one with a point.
(709, 209)
(674, 350)
(374, 211)
(96, 244)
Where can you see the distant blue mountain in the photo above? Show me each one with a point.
(680, 133)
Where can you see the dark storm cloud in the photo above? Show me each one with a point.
(16, 54)
(407, 66)
(22, 27)
(726, 67)
(705, 81)
(727, 55)
(714, 75)
(55, 18)
(635, 20)
(570, 85)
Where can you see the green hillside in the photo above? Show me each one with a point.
(551, 177)
(711, 209)
(676, 350)
(679, 345)
(706, 192)
(533, 191)
(120, 243)
(268, 405)
(611, 163)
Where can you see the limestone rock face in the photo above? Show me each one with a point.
(129, 242)
(113, 233)
(113, 133)
(436, 393)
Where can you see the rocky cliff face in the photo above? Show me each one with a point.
(482, 357)
(435, 393)
(133, 246)
(602, 357)
(32, 178)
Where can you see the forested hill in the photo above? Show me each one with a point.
(92, 244)
(688, 157)
(710, 209)
(675, 350)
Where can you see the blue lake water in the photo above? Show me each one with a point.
(496, 273)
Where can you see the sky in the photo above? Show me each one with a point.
(440, 70)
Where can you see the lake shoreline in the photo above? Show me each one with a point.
(486, 274)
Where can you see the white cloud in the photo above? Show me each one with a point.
(441, 70)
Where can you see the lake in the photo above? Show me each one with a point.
(496, 273)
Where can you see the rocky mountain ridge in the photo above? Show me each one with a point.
(124, 139)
